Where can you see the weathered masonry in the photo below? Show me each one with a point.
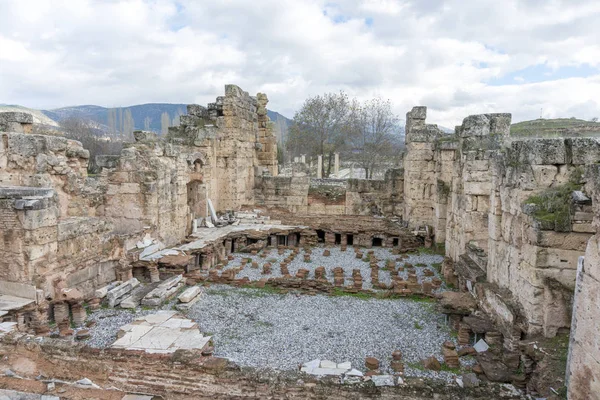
(516, 216)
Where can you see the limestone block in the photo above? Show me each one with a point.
(447, 155)
(565, 277)
(584, 150)
(418, 112)
(475, 125)
(476, 176)
(540, 151)
(35, 252)
(583, 216)
(495, 227)
(189, 294)
(163, 291)
(135, 297)
(557, 258)
(115, 295)
(476, 165)
(585, 228)
(103, 291)
(478, 188)
(563, 240)
(544, 175)
(418, 154)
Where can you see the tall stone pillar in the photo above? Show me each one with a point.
(319, 166)
(419, 169)
(303, 159)
(336, 164)
(469, 217)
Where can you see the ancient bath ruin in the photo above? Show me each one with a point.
(190, 268)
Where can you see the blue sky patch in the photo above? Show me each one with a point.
(542, 73)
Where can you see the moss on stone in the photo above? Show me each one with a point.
(552, 207)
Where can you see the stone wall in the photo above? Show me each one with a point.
(485, 194)
(583, 369)
(61, 227)
(375, 197)
(186, 374)
(302, 195)
(532, 252)
(420, 183)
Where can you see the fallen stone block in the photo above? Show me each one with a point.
(189, 294)
(187, 306)
(103, 291)
(432, 363)
(135, 297)
(115, 295)
(383, 380)
(163, 291)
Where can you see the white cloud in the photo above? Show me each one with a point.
(443, 54)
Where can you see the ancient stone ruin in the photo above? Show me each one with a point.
(472, 262)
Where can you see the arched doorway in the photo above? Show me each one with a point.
(197, 202)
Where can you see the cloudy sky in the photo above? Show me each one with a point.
(458, 57)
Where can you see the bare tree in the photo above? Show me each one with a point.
(128, 125)
(372, 129)
(318, 127)
(176, 119)
(112, 121)
(165, 122)
(91, 138)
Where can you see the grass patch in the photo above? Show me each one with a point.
(260, 292)
(337, 292)
(420, 299)
(250, 291)
(417, 325)
(552, 207)
(438, 249)
(455, 371)
(414, 365)
(437, 267)
(263, 324)
(557, 127)
(420, 265)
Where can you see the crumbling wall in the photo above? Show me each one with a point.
(266, 140)
(287, 192)
(533, 252)
(420, 184)
(445, 157)
(493, 192)
(583, 365)
(300, 194)
(61, 225)
(479, 139)
(375, 197)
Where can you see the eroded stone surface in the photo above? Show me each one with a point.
(162, 332)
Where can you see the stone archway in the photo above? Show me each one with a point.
(197, 201)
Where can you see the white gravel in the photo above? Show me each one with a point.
(259, 329)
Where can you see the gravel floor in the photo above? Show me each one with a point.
(264, 330)
(257, 328)
(345, 259)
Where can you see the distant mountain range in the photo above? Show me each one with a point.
(145, 116)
